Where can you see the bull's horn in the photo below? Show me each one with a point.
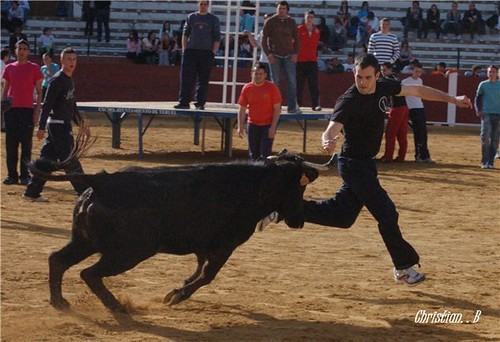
(323, 167)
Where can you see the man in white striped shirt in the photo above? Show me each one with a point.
(384, 45)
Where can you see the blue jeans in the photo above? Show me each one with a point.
(291, 79)
(489, 137)
(259, 144)
(360, 188)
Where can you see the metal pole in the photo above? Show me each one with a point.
(458, 58)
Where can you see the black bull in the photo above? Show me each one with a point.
(208, 210)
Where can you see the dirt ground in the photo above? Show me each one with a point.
(314, 284)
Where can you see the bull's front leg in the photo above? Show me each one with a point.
(214, 262)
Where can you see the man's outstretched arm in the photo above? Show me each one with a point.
(431, 94)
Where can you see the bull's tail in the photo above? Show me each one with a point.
(43, 168)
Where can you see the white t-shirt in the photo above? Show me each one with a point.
(411, 101)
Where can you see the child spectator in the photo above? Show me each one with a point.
(49, 69)
(417, 116)
(349, 66)
(46, 42)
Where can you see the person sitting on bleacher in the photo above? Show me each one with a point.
(344, 16)
(46, 42)
(452, 22)
(414, 19)
(150, 47)
(476, 71)
(15, 17)
(15, 37)
(473, 22)
(433, 21)
(134, 47)
(338, 36)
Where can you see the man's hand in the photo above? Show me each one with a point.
(480, 115)
(40, 134)
(271, 59)
(241, 131)
(271, 133)
(329, 145)
(463, 101)
(293, 58)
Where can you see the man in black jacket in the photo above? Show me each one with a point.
(60, 103)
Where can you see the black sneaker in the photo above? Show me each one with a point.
(199, 107)
(24, 181)
(10, 181)
(181, 106)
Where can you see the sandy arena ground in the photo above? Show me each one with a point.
(314, 284)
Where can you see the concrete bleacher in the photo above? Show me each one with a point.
(149, 15)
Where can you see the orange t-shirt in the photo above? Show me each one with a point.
(260, 101)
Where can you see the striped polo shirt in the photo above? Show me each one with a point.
(384, 46)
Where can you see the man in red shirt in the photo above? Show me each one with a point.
(21, 79)
(307, 60)
(263, 101)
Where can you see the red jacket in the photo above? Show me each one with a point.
(308, 44)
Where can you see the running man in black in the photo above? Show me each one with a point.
(58, 111)
(359, 113)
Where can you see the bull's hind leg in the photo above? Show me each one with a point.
(109, 266)
(59, 262)
(214, 262)
(201, 258)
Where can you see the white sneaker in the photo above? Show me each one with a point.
(272, 217)
(39, 199)
(491, 166)
(408, 276)
(445, 36)
(484, 166)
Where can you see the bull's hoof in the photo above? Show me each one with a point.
(60, 304)
(173, 297)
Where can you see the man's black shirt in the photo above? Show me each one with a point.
(363, 118)
(60, 99)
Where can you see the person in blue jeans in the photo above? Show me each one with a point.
(200, 42)
(359, 113)
(487, 105)
(281, 43)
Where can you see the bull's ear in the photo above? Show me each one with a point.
(304, 180)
